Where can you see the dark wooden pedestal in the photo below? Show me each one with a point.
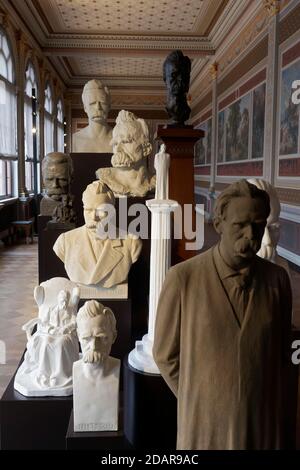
(33, 423)
(180, 143)
(104, 440)
(150, 410)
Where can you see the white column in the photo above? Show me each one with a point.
(160, 260)
(214, 146)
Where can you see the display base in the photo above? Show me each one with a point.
(33, 423)
(101, 440)
(141, 358)
(150, 410)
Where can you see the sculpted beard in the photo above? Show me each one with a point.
(121, 159)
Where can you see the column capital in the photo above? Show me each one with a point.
(213, 69)
(272, 7)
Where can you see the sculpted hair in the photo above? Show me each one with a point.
(134, 125)
(239, 189)
(58, 158)
(92, 309)
(177, 57)
(96, 85)
(97, 187)
(274, 199)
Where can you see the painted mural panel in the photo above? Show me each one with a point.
(289, 112)
(237, 129)
(202, 149)
(258, 121)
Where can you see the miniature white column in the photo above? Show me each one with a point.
(160, 259)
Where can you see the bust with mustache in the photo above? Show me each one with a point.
(96, 136)
(96, 375)
(57, 171)
(129, 174)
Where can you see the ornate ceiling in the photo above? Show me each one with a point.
(124, 42)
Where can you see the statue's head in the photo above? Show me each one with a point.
(96, 329)
(94, 197)
(96, 101)
(63, 299)
(130, 140)
(272, 229)
(240, 217)
(176, 73)
(57, 170)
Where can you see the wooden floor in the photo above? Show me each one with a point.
(19, 276)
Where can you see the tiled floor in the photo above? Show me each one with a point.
(18, 277)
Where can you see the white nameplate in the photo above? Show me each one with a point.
(94, 427)
(93, 291)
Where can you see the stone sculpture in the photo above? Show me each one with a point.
(268, 249)
(89, 259)
(52, 349)
(57, 171)
(96, 136)
(222, 335)
(131, 147)
(176, 75)
(96, 375)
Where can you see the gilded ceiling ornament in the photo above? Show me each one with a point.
(213, 69)
(272, 7)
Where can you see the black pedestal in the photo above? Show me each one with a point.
(104, 440)
(33, 422)
(150, 410)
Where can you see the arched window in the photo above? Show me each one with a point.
(8, 117)
(31, 117)
(49, 123)
(60, 126)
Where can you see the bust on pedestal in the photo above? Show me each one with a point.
(96, 137)
(96, 375)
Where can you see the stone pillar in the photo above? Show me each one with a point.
(20, 78)
(272, 7)
(214, 132)
(160, 260)
(68, 120)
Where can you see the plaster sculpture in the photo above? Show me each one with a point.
(222, 334)
(268, 249)
(141, 357)
(96, 136)
(89, 259)
(131, 147)
(57, 171)
(96, 375)
(52, 349)
(176, 75)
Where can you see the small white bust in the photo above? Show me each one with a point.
(89, 259)
(96, 375)
(95, 137)
(268, 249)
(131, 147)
(52, 349)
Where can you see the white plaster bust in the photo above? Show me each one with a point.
(131, 147)
(95, 137)
(96, 375)
(268, 249)
(52, 349)
(89, 259)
